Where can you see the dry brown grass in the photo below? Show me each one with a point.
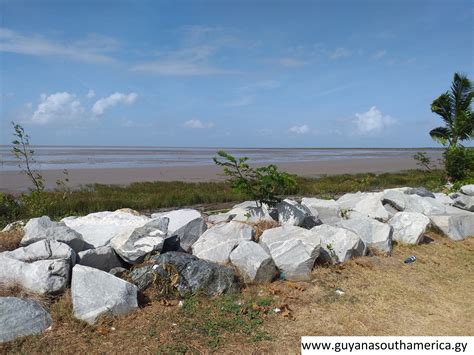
(10, 240)
(382, 296)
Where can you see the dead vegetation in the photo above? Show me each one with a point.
(10, 240)
(376, 295)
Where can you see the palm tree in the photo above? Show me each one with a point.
(454, 109)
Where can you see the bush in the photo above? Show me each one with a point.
(10, 210)
(459, 162)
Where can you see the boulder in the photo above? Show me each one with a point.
(396, 199)
(414, 203)
(456, 227)
(467, 190)
(21, 317)
(17, 225)
(443, 198)
(250, 214)
(254, 263)
(409, 227)
(187, 274)
(190, 233)
(143, 240)
(373, 233)
(338, 244)
(42, 267)
(102, 258)
(464, 202)
(420, 191)
(325, 210)
(43, 228)
(217, 243)
(220, 218)
(291, 213)
(99, 228)
(367, 204)
(178, 218)
(95, 292)
(293, 249)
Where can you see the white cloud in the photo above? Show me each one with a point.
(197, 124)
(92, 49)
(103, 104)
(179, 68)
(59, 107)
(379, 54)
(372, 121)
(340, 53)
(90, 94)
(303, 129)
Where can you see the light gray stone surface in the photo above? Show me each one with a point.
(367, 204)
(102, 258)
(464, 202)
(409, 227)
(467, 190)
(254, 263)
(95, 292)
(374, 234)
(178, 218)
(292, 213)
(456, 227)
(21, 317)
(325, 210)
(190, 233)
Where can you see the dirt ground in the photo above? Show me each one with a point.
(381, 296)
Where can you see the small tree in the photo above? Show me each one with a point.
(263, 184)
(423, 160)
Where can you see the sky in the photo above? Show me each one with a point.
(230, 73)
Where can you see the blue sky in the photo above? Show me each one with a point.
(230, 73)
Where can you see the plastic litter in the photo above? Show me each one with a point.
(410, 259)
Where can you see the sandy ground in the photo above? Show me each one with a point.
(11, 181)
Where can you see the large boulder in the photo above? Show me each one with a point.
(217, 243)
(291, 213)
(409, 227)
(102, 258)
(374, 234)
(365, 204)
(99, 228)
(178, 218)
(95, 292)
(420, 191)
(254, 263)
(43, 228)
(21, 317)
(293, 249)
(443, 198)
(467, 190)
(142, 241)
(414, 203)
(326, 210)
(190, 233)
(42, 267)
(338, 244)
(186, 274)
(456, 227)
(464, 202)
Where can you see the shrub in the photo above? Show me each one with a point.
(459, 162)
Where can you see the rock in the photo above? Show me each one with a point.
(420, 191)
(464, 202)
(217, 243)
(325, 210)
(414, 203)
(142, 241)
(99, 228)
(187, 274)
(220, 218)
(456, 227)
(42, 267)
(443, 198)
(373, 233)
(396, 199)
(254, 263)
(409, 227)
(293, 249)
(118, 272)
(467, 190)
(102, 258)
(250, 214)
(17, 225)
(178, 218)
(338, 244)
(390, 209)
(95, 292)
(292, 213)
(190, 233)
(367, 204)
(43, 228)
(21, 317)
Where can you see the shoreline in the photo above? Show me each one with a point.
(15, 181)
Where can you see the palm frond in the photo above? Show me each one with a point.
(442, 106)
(441, 135)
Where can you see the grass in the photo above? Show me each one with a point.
(382, 296)
(151, 196)
(10, 240)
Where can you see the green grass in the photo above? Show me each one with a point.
(145, 196)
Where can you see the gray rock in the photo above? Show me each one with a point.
(17, 225)
(43, 228)
(142, 241)
(409, 227)
(21, 317)
(178, 218)
(456, 227)
(102, 258)
(42, 267)
(464, 202)
(467, 190)
(220, 218)
(190, 233)
(292, 213)
(338, 244)
(118, 272)
(194, 275)
(217, 243)
(367, 204)
(373, 233)
(324, 209)
(254, 263)
(443, 198)
(420, 191)
(250, 214)
(95, 292)
(414, 203)
(293, 249)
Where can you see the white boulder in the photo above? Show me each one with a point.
(178, 218)
(325, 210)
(464, 202)
(373, 233)
(292, 213)
(467, 190)
(456, 227)
(409, 227)
(254, 263)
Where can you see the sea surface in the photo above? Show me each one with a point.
(86, 157)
